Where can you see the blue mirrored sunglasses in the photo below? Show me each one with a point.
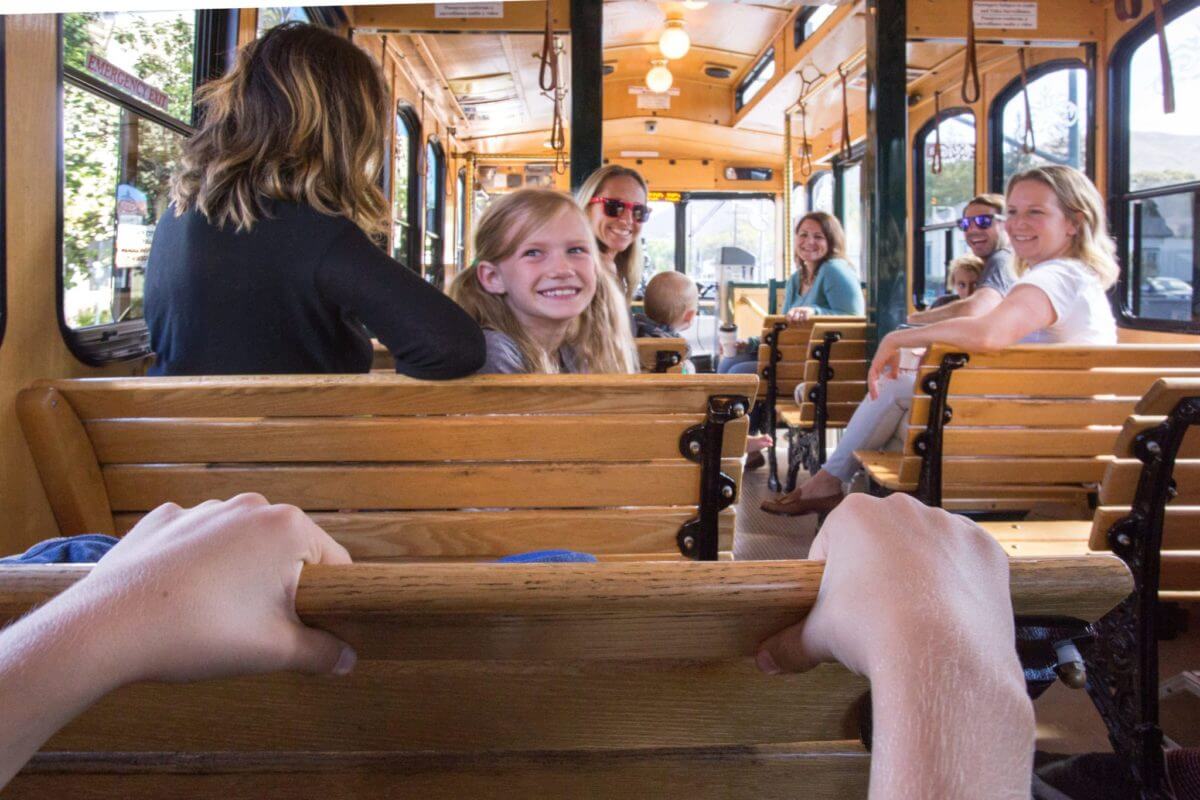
(982, 221)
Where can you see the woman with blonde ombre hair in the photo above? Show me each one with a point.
(1055, 220)
(267, 264)
(615, 199)
(538, 289)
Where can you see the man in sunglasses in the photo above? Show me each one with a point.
(982, 224)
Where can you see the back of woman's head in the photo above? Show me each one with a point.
(300, 118)
(629, 261)
(600, 336)
(1080, 202)
(835, 236)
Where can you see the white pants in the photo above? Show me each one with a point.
(874, 425)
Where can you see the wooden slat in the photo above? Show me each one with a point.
(599, 437)
(1030, 413)
(1181, 527)
(65, 462)
(958, 441)
(893, 471)
(849, 350)
(649, 348)
(1128, 382)
(396, 395)
(421, 534)
(1180, 572)
(1166, 394)
(822, 769)
(842, 370)
(1071, 357)
(414, 486)
(1121, 477)
(1136, 424)
(849, 392)
(898, 472)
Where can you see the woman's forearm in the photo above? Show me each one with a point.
(969, 333)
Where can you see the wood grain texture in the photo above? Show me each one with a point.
(65, 462)
(764, 771)
(648, 349)
(1181, 527)
(564, 438)
(1070, 357)
(1162, 398)
(376, 535)
(334, 487)
(1139, 423)
(959, 441)
(396, 395)
(1122, 382)
(1121, 477)
(1030, 413)
(843, 371)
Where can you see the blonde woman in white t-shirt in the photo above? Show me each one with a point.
(1066, 263)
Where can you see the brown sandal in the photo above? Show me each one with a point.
(787, 506)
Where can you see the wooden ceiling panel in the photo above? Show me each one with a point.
(732, 27)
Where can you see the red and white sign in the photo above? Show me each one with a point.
(123, 80)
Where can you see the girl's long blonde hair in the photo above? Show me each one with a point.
(629, 260)
(599, 338)
(300, 118)
(1079, 200)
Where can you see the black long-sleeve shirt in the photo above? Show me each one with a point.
(292, 296)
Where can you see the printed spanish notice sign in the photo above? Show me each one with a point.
(123, 80)
(133, 245)
(656, 101)
(1006, 14)
(468, 10)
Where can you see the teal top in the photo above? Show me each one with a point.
(835, 291)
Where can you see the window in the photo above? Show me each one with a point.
(277, 15)
(799, 202)
(809, 20)
(941, 198)
(1155, 174)
(753, 83)
(404, 176)
(127, 90)
(460, 218)
(658, 238)
(435, 201)
(717, 221)
(820, 192)
(1059, 102)
(849, 198)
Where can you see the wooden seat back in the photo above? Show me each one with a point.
(511, 681)
(399, 468)
(661, 354)
(794, 340)
(1026, 422)
(846, 386)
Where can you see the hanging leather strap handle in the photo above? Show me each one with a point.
(548, 71)
(935, 165)
(1164, 55)
(845, 149)
(1028, 142)
(970, 80)
(1127, 9)
(806, 165)
(422, 162)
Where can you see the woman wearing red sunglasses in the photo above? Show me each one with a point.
(615, 201)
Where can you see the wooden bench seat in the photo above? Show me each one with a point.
(511, 680)
(828, 356)
(1025, 419)
(661, 354)
(398, 468)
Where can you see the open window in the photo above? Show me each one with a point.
(405, 213)
(809, 21)
(126, 105)
(758, 77)
(435, 214)
(848, 206)
(940, 196)
(1155, 174)
(820, 192)
(460, 219)
(1061, 128)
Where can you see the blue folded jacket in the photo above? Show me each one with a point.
(548, 556)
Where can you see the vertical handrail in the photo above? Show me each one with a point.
(698, 538)
(819, 394)
(770, 374)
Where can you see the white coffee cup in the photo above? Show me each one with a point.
(727, 337)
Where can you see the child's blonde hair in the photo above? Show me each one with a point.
(670, 295)
(1080, 201)
(968, 262)
(599, 337)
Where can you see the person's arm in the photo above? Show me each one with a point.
(187, 594)
(981, 302)
(917, 600)
(840, 294)
(428, 334)
(1026, 309)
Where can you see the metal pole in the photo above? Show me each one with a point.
(469, 212)
(789, 177)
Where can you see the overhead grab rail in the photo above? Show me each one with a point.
(970, 80)
(1028, 143)
(549, 81)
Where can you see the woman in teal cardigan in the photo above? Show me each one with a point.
(824, 283)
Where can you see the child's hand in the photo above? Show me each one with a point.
(756, 443)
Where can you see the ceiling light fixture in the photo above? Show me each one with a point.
(674, 42)
(659, 78)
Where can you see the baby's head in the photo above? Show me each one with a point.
(672, 300)
(965, 272)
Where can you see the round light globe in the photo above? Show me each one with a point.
(659, 78)
(674, 42)
(694, 5)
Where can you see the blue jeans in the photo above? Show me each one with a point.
(875, 423)
(741, 364)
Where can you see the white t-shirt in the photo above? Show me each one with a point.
(1081, 308)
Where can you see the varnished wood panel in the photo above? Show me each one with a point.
(1166, 394)
(1121, 477)
(1046, 413)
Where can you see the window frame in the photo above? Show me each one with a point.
(682, 251)
(460, 218)
(1120, 197)
(97, 345)
(995, 122)
(811, 189)
(920, 228)
(799, 36)
(437, 165)
(760, 66)
(412, 212)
